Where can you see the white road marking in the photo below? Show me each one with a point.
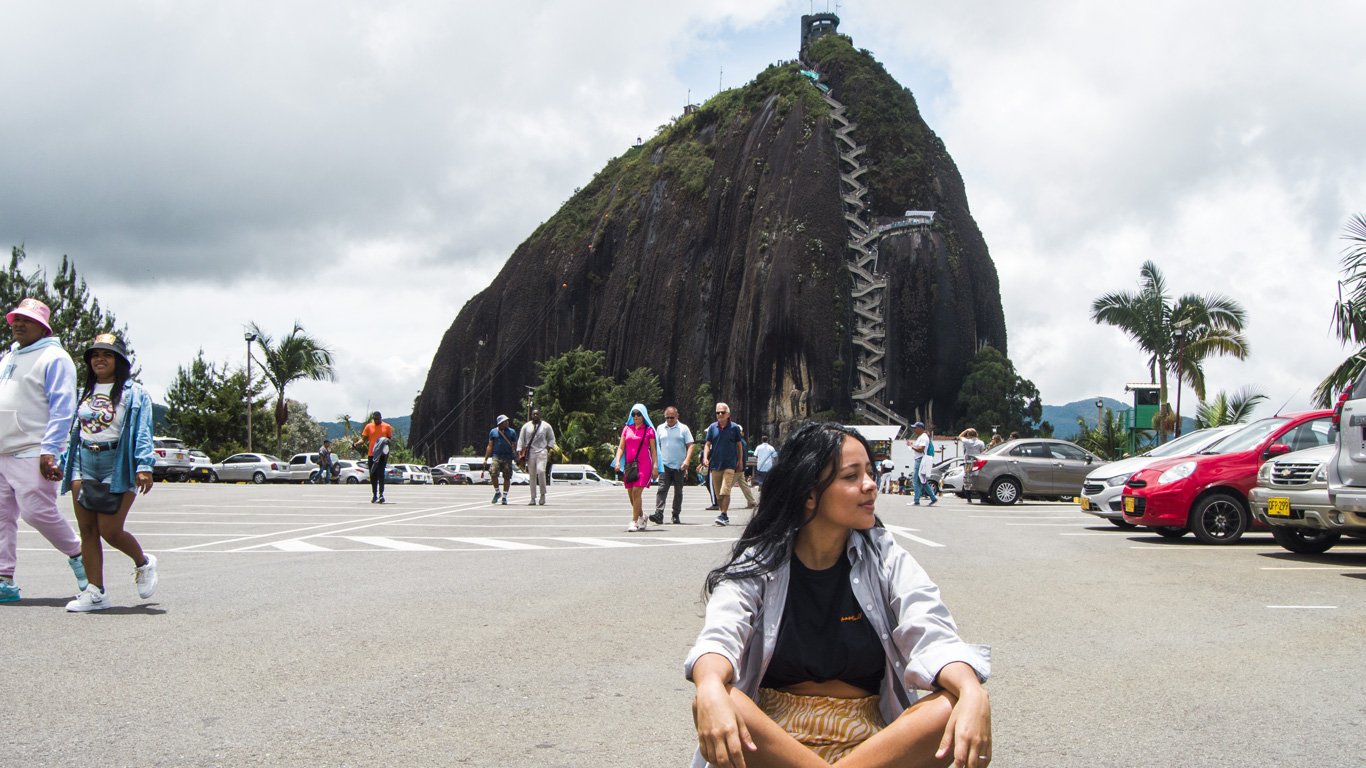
(1194, 548)
(1310, 568)
(1311, 607)
(1031, 517)
(387, 543)
(1072, 524)
(600, 542)
(497, 543)
(298, 545)
(906, 532)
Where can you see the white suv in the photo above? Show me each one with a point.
(173, 460)
(1347, 469)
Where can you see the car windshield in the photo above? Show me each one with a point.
(171, 443)
(1189, 443)
(1248, 437)
(996, 449)
(268, 457)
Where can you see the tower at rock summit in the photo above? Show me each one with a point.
(802, 245)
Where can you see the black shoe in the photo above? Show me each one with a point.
(676, 521)
(712, 508)
(657, 518)
(381, 499)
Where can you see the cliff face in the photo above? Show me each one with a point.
(714, 254)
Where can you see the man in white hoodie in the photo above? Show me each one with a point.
(37, 404)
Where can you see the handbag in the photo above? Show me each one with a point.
(97, 497)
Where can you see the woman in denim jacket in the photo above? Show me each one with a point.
(111, 443)
(820, 628)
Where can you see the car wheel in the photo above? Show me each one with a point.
(1170, 533)
(1005, 491)
(1218, 519)
(1304, 541)
(259, 477)
(1120, 522)
(351, 481)
(213, 477)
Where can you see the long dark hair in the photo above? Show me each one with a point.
(122, 373)
(806, 463)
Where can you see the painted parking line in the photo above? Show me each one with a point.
(1031, 517)
(1305, 607)
(592, 542)
(298, 545)
(496, 543)
(906, 532)
(387, 543)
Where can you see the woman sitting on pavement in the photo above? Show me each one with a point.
(820, 627)
(637, 444)
(108, 461)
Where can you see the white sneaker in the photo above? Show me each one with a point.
(146, 577)
(633, 527)
(92, 598)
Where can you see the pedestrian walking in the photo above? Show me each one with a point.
(923, 449)
(764, 453)
(675, 456)
(723, 455)
(533, 445)
(500, 455)
(820, 629)
(325, 462)
(375, 437)
(742, 477)
(109, 461)
(38, 401)
(635, 449)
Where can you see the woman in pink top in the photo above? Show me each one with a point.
(638, 444)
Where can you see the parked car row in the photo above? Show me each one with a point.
(1301, 476)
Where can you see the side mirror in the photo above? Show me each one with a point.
(1277, 449)
(1090, 458)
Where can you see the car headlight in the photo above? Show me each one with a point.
(1179, 472)
(1321, 476)
(1118, 480)
(1264, 474)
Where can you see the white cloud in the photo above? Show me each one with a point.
(367, 167)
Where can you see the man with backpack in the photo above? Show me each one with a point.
(500, 455)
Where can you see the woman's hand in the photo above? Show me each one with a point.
(722, 736)
(968, 733)
(144, 481)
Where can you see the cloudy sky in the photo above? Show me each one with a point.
(367, 167)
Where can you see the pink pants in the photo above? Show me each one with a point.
(23, 491)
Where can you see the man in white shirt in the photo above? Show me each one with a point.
(763, 460)
(675, 452)
(533, 446)
(921, 448)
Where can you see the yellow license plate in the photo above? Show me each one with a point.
(1129, 504)
(1278, 507)
(1085, 503)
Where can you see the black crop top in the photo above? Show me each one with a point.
(824, 634)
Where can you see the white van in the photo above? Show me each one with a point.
(475, 465)
(576, 474)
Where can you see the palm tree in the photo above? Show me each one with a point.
(1349, 316)
(1176, 335)
(1227, 409)
(297, 356)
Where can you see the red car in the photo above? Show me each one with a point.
(1206, 493)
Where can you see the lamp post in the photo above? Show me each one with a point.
(249, 337)
(1180, 335)
(1100, 411)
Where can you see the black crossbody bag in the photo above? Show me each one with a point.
(632, 473)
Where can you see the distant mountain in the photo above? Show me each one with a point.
(1064, 417)
(334, 429)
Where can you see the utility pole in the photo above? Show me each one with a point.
(249, 337)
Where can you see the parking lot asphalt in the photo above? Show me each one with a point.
(304, 626)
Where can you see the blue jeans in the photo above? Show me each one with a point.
(94, 465)
(922, 487)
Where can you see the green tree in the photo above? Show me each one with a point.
(1349, 313)
(1227, 409)
(297, 356)
(1174, 334)
(574, 388)
(994, 395)
(1107, 439)
(303, 433)
(640, 386)
(77, 316)
(206, 408)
